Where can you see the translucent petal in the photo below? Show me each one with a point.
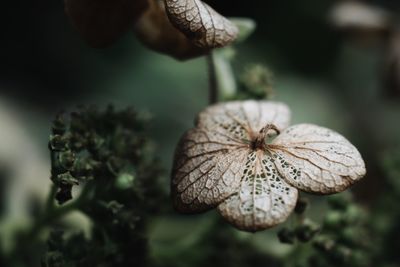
(207, 169)
(264, 198)
(242, 120)
(200, 23)
(316, 159)
(210, 159)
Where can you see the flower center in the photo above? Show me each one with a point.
(264, 137)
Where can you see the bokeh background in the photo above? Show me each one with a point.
(338, 79)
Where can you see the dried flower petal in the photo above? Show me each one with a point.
(317, 160)
(244, 119)
(200, 23)
(208, 164)
(206, 170)
(155, 31)
(264, 198)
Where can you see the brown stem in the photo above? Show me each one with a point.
(264, 133)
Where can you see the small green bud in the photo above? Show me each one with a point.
(286, 236)
(95, 142)
(341, 254)
(57, 143)
(353, 214)
(361, 258)
(324, 243)
(307, 231)
(77, 123)
(350, 235)
(301, 205)
(124, 181)
(77, 142)
(114, 165)
(59, 126)
(333, 220)
(64, 193)
(67, 178)
(339, 201)
(113, 206)
(258, 81)
(53, 259)
(83, 169)
(67, 159)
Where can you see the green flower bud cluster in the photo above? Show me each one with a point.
(257, 82)
(342, 239)
(304, 231)
(95, 145)
(108, 156)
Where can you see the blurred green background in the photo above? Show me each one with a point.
(327, 77)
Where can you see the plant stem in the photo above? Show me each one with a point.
(52, 213)
(49, 216)
(26, 240)
(213, 87)
(50, 198)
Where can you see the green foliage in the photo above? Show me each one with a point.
(257, 82)
(107, 155)
(108, 152)
(343, 239)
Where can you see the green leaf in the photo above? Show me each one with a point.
(246, 28)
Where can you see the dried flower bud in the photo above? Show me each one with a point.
(200, 23)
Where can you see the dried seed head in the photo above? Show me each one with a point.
(225, 162)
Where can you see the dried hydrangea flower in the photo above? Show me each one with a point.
(244, 159)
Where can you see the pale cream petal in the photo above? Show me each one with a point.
(242, 120)
(207, 169)
(210, 159)
(200, 23)
(264, 198)
(316, 159)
